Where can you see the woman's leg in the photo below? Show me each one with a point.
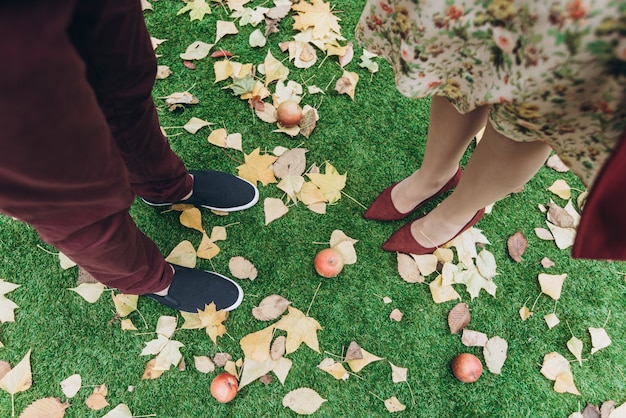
(449, 134)
(497, 167)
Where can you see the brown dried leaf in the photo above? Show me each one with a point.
(220, 359)
(396, 315)
(292, 162)
(354, 352)
(408, 269)
(308, 122)
(97, 400)
(459, 317)
(277, 350)
(242, 268)
(559, 216)
(266, 379)
(607, 408)
(591, 411)
(270, 308)
(150, 373)
(46, 407)
(517, 244)
(547, 263)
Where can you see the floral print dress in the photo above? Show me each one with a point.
(553, 71)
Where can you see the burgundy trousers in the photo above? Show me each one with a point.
(79, 134)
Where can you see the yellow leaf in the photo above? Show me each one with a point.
(564, 383)
(196, 8)
(552, 284)
(149, 373)
(310, 194)
(525, 313)
(195, 124)
(257, 168)
(303, 401)
(281, 369)
(192, 218)
(46, 407)
(127, 325)
(183, 255)
(444, 255)
(224, 28)
(124, 304)
(319, 207)
(291, 185)
(426, 263)
(241, 268)
(495, 353)
(207, 248)
(393, 405)
(168, 356)
(19, 378)
(203, 364)
(357, 364)
(442, 293)
(575, 346)
(223, 70)
(274, 209)
(256, 345)
(91, 292)
(218, 137)
(561, 189)
(553, 365)
(334, 368)
(120, 411)
(97, 400)
(317, 16)
(274, 69)
(196, 51)
(253, 369)
(599, 339)
(551, 320)
(398, 374)
(192, 320)
(212, 321)
(331, 183)
(300, 329)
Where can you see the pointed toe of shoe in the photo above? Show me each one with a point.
(402, 241)
(382, 208)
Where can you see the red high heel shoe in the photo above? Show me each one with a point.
(382, 208)
(402, 240)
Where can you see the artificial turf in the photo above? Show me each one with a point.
(376, 139)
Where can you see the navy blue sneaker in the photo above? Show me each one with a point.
(218, 191)
(193, 289)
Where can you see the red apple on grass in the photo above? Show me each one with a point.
(289, 113)
(328, 262)
(467, 367)
(224, 387)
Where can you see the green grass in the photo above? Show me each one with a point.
(376, 139)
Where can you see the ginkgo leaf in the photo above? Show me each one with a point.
(358, 364)
(575, 347)
(273, 208)
(442, 293)
(471, 338)
(166, 325)
(292, 185)
(196, 8)
(443, 255)
(486, 264)
(552, 284)
(212, 319)
(271, 307)
(396, 315)
(97, 400)
(304, 401)
(398, 374)
(196, 51)
(553, 365)
(495, 353)
(426, 263)
(195, 124)
(563, 237)
(65, 261)
(408, 269)
(127, 325)
(224, 28)
(124, 304)
(71, 385)
(317, 207)
(300, 329)
(149, 373)
(120, 411)
(331, 183)
(207, 248)
(256, 345)
(241, 268)
(334, 368)
(257, 168)
(46, 407)
(599, 339)
(393, 405)
(184, 254)
(274, 69)
(561, 189)
(257, 39)
(223, 70)
(347, 251)
(192, 218)
(19, 378)
(564, 383)
(91, 292)
(310, 194)
(203, 364)
(551, 320)
(525, 313)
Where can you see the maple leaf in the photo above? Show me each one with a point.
(196, 8)
(7, 307)
(212, 319)
(331, 183)
(300, 329)
(317, 16)
(257, 168)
